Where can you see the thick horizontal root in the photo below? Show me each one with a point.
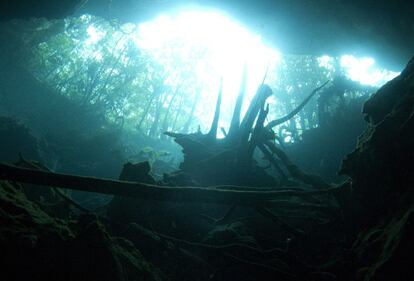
(219, 194)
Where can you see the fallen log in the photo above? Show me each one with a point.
(218, 194)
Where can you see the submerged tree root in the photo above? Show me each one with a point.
(256, 256)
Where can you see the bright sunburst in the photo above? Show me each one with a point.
(221, 45)
(192, 50)
(364, 71)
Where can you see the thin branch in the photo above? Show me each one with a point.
(227, 215)
(257, 132)
(285, 118)
(272, 160)
(223, 131)
(35, 166)
(263, 92)
(235, 120)
(214, 125)
(294, 170)
(267, 213)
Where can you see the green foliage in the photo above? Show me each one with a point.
(296, 77)
(96, 62)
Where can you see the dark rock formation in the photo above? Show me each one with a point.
(37, 246)
(17, 139)
(381, 209)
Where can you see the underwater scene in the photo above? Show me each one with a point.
(207, 140)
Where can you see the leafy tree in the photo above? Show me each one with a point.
(101, 64)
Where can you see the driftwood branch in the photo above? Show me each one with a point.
(289, 116)
(272, 160)
(257, 132)
(218, 194)
(214, 126)
(235, 120)
(294, 170)
(258, 102)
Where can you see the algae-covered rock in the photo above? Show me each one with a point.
(175, 261)
(384, 251)
(123, 209)
(381, 167)
(37, 246)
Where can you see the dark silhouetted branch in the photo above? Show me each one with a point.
(267, 213)
(279, 121)
(294, 170)
(235, 120)
(268, 155)
(257, 103)
(214, 125)
(216, 194)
